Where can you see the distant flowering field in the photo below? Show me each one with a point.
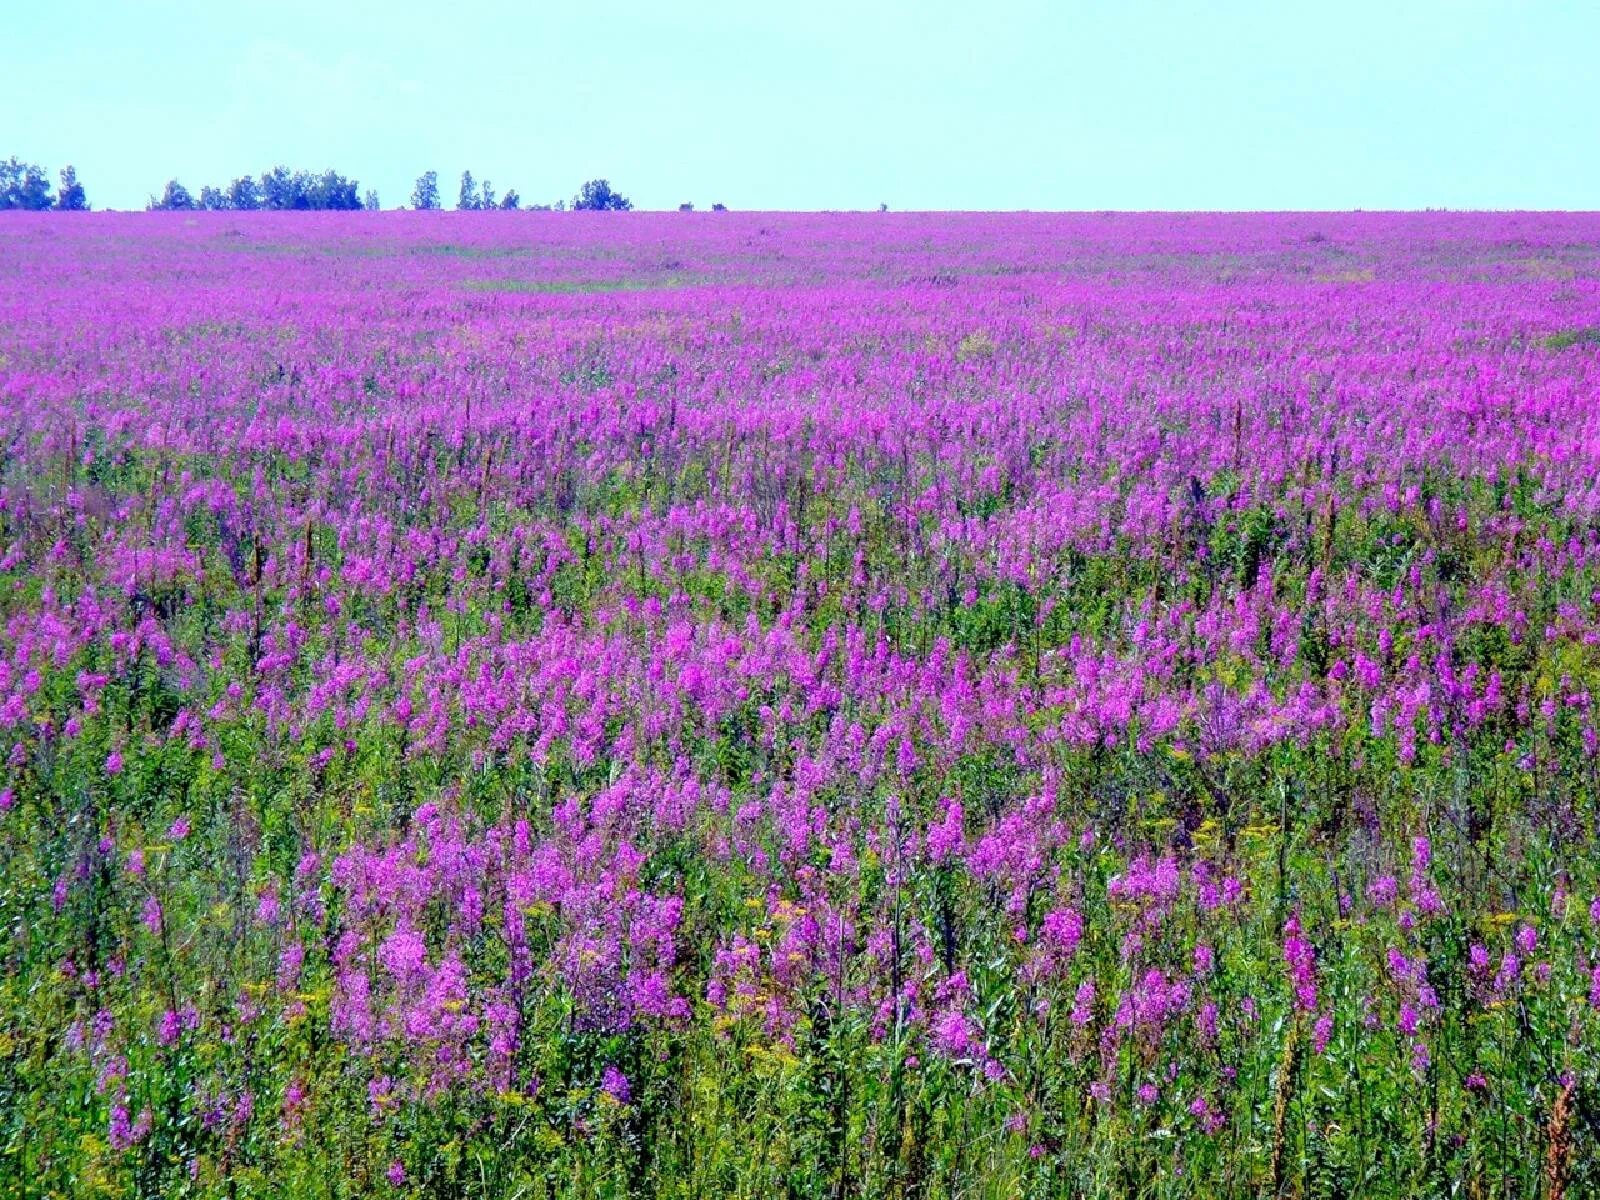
(567, 705)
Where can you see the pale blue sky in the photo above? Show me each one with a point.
(824, 104)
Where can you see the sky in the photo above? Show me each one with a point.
(768, 104)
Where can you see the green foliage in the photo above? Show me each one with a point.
(70, 196)
(1567, 338)
(425, 195)
(23, 186)
(597, 195)
(174, 198)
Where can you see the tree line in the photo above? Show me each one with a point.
(597, 195)
(26, 186)
(282, 190)
(278, 190)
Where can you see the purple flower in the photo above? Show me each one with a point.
(403, 952)
(945, 838)
(953, 1034)
(1083, 1004)
(1421, 854)
(1206, 1022)
(1408, 1019)
(615, 1084)
(1421, 1060)
(1063, 930)
(1321, 1032)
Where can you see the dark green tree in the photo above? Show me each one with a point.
(214, 199)
(10, 183)
(282, 191)
(36, 195)
(370, 201)
(425, 196)
(467, 199)
(510, 201)
(244, 195)
(175, 198)
(23, 185)
(70, 196)
(597, 196)
(329, 191)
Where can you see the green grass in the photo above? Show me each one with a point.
(1567, 338)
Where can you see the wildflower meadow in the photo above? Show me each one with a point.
(564, 705)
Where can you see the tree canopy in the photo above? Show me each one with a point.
(25, 186)
(70, 196)
(480, 197)
(425, 195)
(175, 198)
(279, 190)
(598, 196)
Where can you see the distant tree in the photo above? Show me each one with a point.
(279, 190)
(11, 184)
(244, 195)
(425, 196)
(175, 198)
(685, 207)
(370, 200)
(70, 196)
(510, 201)
(283, 190)
(719, 208)
(36, 195)
(597, 196)
(883, 208)
(467, 200)
(329, 191)
(559, 206)
(23, 185)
